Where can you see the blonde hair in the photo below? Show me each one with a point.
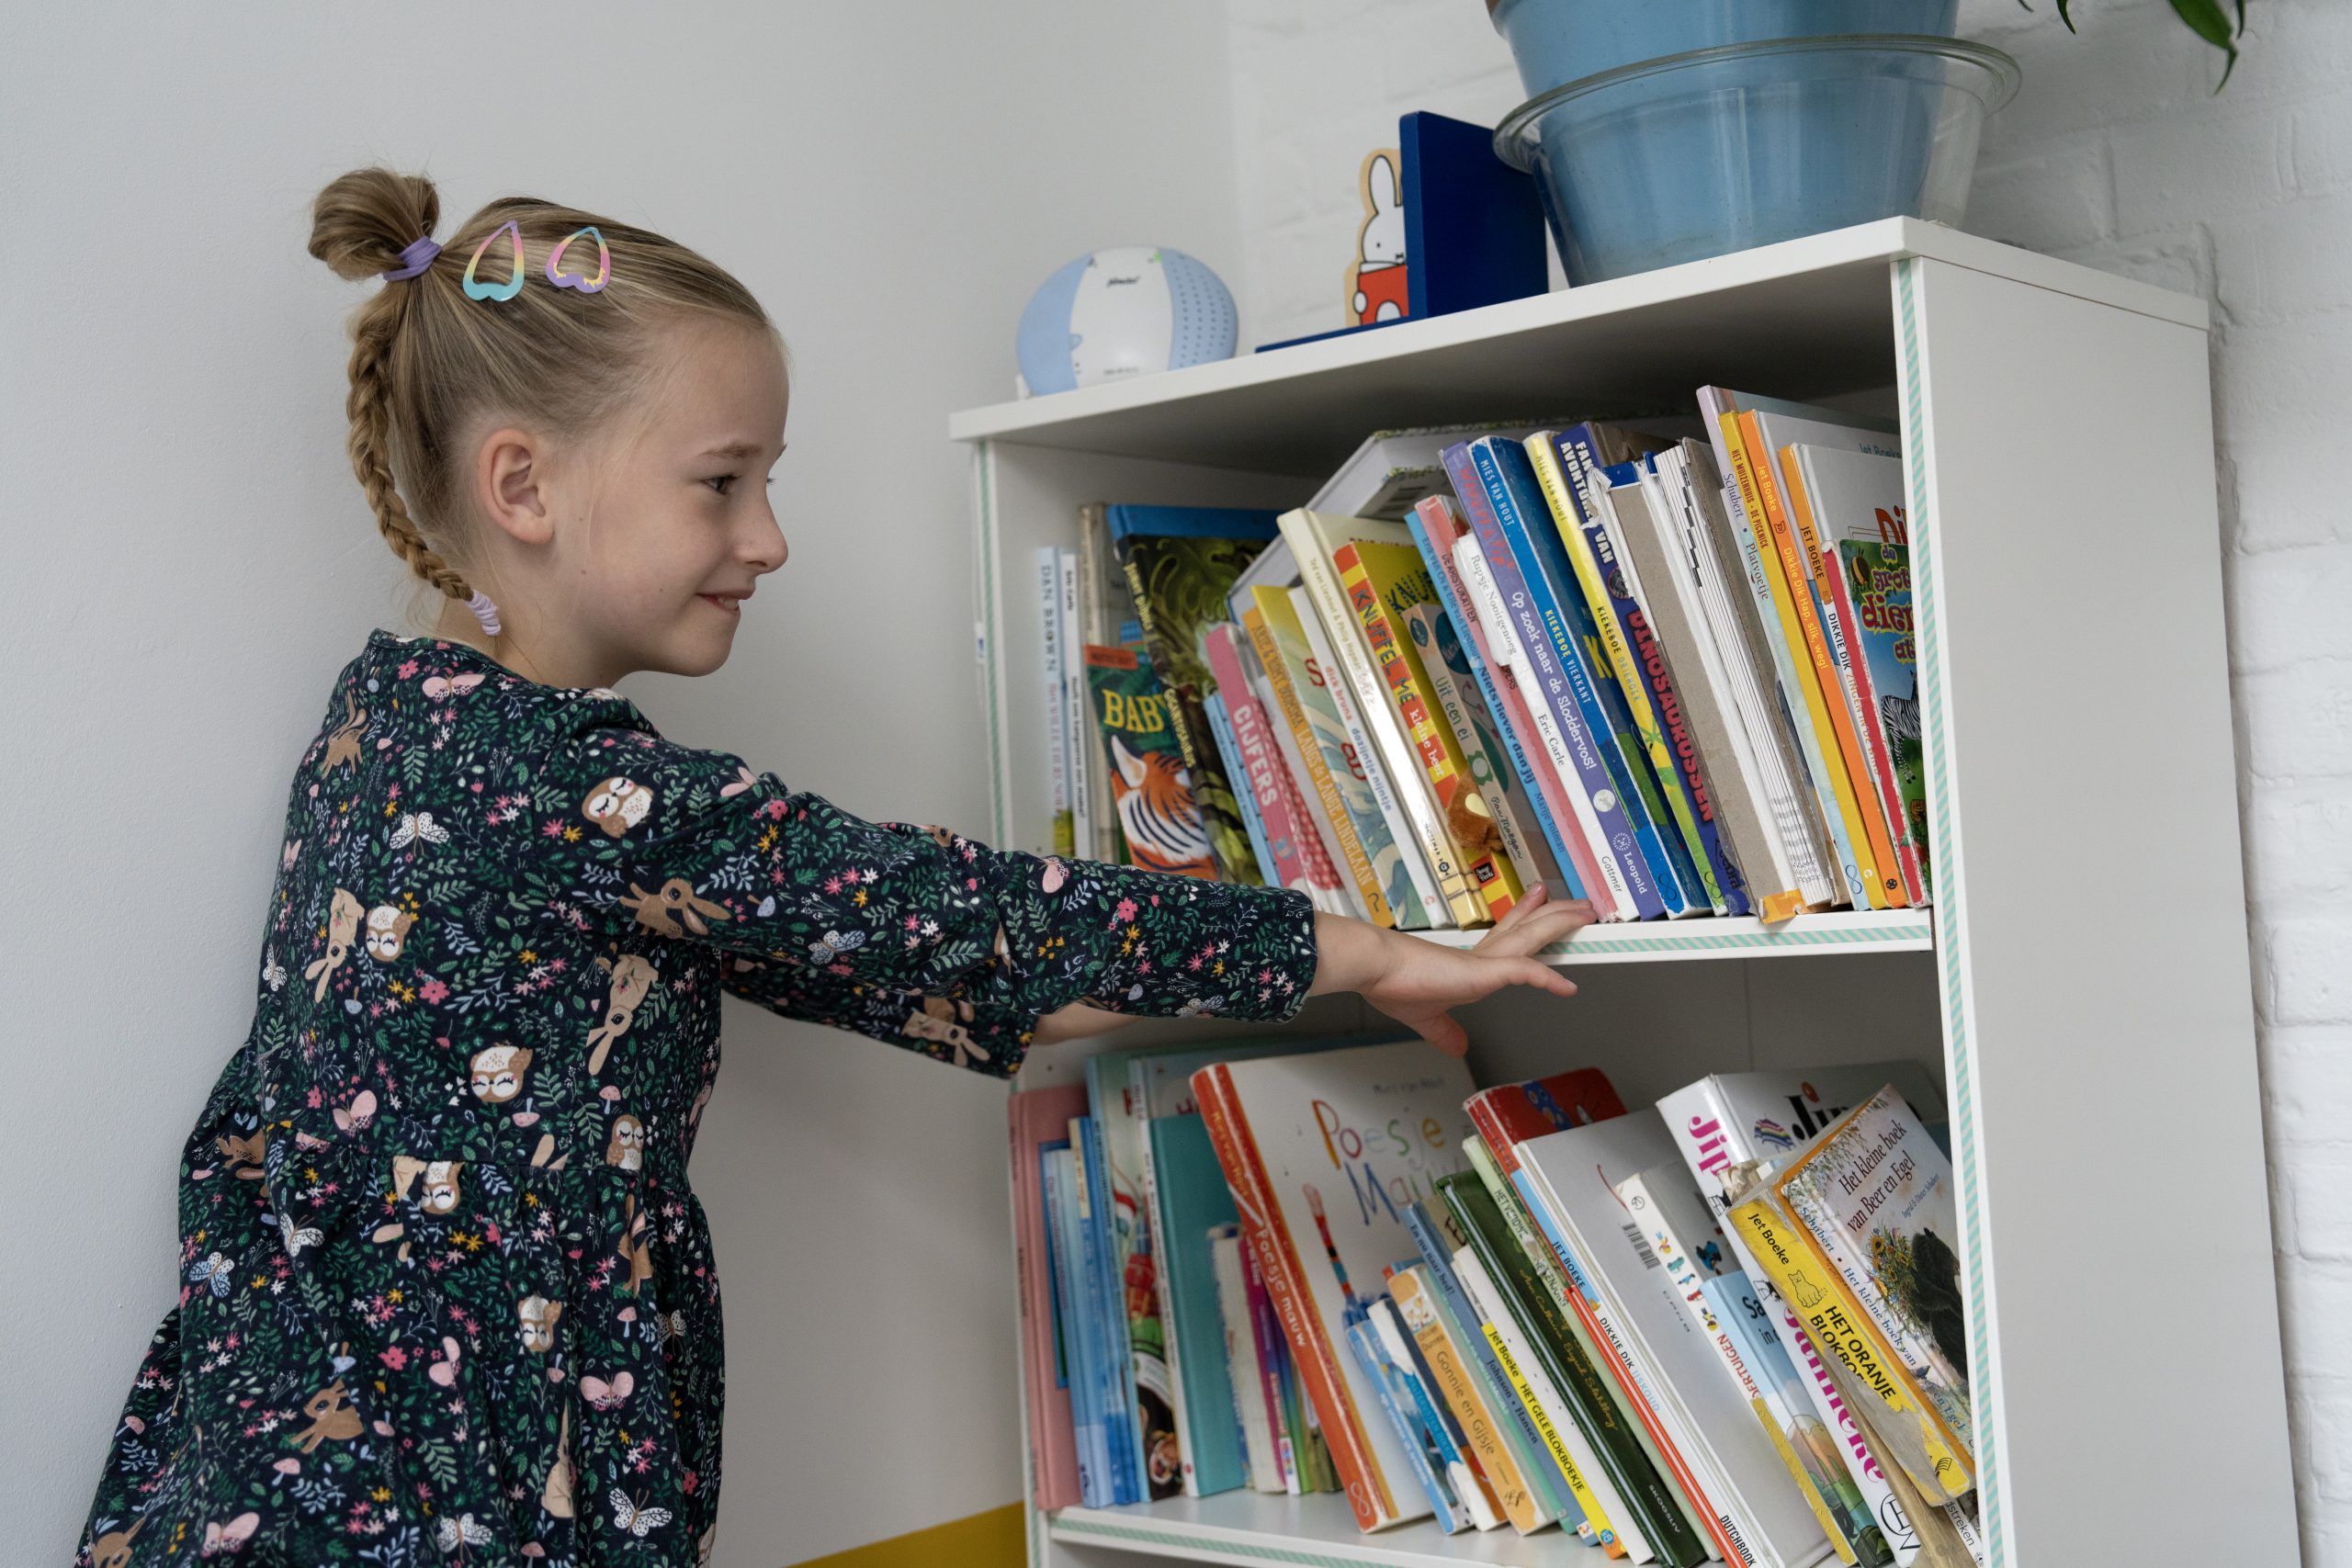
(428, 364)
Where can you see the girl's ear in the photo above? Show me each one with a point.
(510, 473)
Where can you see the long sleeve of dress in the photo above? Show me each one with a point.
(909, 933)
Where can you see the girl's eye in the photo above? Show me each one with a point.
(719, 482)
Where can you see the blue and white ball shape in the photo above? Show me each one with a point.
(1125, 311)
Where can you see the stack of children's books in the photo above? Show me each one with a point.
(1730, 1326)
(1667, 665)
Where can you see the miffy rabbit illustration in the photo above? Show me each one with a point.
(1376, 277)
(344, 915)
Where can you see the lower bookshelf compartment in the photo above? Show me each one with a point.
(1318, 1531)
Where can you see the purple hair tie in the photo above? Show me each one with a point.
(416, 258)
(485, 611)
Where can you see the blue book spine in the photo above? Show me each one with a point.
(1620, 859)
(1194, 1199)
(1106, 1303)
(1095, 1486)
(1229, 748)
(1445, 1434)
(1554, 1497)
(1520, 763)
(1365, 1343)
(1629, 758)
(1517, 504)
(1715, 862)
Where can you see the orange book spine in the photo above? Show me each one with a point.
(1268, 1239)
(1884, 865)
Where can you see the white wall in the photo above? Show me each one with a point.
(2116, 153)
(188, 561)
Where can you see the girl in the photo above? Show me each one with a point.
(446, 1295)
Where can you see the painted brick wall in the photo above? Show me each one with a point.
(2115, 153)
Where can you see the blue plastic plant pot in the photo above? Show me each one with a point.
(1557, 41)
(1723, 149)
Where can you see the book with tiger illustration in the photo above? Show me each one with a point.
(1151, 789)
(1181, 562)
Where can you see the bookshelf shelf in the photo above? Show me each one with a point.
(1888, 931)
(2081, 983)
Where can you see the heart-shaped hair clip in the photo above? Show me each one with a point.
(498, 291)
(576, 279)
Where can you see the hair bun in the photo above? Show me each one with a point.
(363, 220)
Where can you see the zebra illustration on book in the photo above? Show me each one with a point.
(1153, 795)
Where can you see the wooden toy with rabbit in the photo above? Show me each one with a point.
(1378, 280)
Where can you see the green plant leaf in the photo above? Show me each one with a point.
(2209, 21)
(2063, 17)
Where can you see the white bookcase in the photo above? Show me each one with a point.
(2082, 982)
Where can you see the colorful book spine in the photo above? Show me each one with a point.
(1105, 1304)
(1049, 606)
(1872, 584)
(1438, 1238)
(1083, 746)
(1245, 1380)
(1464, 815)
(1415, 898)
(1575, 743)
(1423, 1455)
(1436, 524)
(1296, 848)
(1230, 750)
(1081, 1326)
(1275, 1376)
(1038, 1120)
(1561, 621)
(1319, 742)
(1421, 1313)
(1449, 1448)
(1792, 579)
(1307, 783)
(1556, 456)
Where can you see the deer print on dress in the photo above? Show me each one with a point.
(940, 1019)
(344, 915)
(342, 745)
(674, 909)
(1154, 798)
(632, 982)
(332, 1418)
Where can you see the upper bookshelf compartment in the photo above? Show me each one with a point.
(1809, 318)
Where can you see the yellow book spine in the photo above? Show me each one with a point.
(1385, 572)
(1496, 1467)
(1601, 1528)
(1816, 712)
(1818, 1296)
(1449, 791)
(1310, 751)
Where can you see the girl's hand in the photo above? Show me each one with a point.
(1416, 983)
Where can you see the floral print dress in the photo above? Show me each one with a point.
(447, 1296)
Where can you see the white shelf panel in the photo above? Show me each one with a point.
(1608, 347)
(1885, 931)
(1256, 1528)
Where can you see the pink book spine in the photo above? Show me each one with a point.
(1445, 526)
(1040, 1117)
(1299, 861)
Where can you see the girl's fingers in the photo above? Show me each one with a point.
(1442, 1031)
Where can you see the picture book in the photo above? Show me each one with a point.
(1439, 1236)
(1099, 610)
(1151, 784)
(1426, 904)
(1453, 1370)
(1293, 745)
(1729, 1468)
(1423, 1457)
(1191, 1201)
(1316, 539)
(1179, 564)
(1109, 1359)
(1228, 750)
(1518, 639)
(1873, 585)
(1367, 850)
(1527, 800)
(1395, 470)
(1321, 1152)
(1561, 458)
(1086, 1355)
(1300, 863)
(1458, 1484)
(1875, 1198)
(1117, 1120)
(1384, 581)
(1038, 1120)
(1243, 1377)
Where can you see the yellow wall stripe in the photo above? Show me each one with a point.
(992, 1539)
